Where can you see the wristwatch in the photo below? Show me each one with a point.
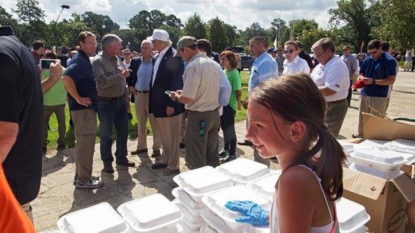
(373, 81)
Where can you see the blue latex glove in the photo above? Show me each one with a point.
(254, 214)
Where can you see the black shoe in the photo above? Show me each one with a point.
(357, 136)
(92, 184)
(136, 152)
(245, 143)
(169, 172)
(129, 116)
(156, 153)
(229, 158)
(223, 154)
(182, 145)
(75, 178)
(108, 168)
(158, 166)
(126, 162)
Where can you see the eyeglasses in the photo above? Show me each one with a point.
(289, 51)
(318, 56)
(127, 53)
(345, 49)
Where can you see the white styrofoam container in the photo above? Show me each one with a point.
(382, 174)
(201, 181)
(408, 157)
(194, 207)
(150, 213)
(265, 186)
(402, 145)
(377, 159)
(216, 201)
(207, 229)
(219, 224)
(258, 229)
(100, 218)
(351, 216)
(370, 143)
(242, 170)
(194, 223)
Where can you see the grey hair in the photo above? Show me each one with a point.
(108, 39)
(147, 42)
(167, 43)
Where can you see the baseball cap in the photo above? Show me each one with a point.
(159, 34)
(271, 50)
(186, 41)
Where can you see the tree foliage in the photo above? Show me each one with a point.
(194, 26)
(32, 20)
(217, 34)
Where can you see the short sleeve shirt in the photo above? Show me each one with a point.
(263, 68)
(234, 79)
(297, 65)
(80, 70)
(335, 76)
(351, 63)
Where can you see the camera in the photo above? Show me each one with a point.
(45, 63)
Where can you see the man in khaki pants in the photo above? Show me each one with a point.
(79, 81)
(139, 86)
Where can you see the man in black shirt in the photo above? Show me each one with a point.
(21, 115)
(305, 56)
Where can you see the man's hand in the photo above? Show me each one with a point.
(169, 111)
(125, 73)
(245, 104)
(84, 101)
(240, 106)
(132, 90)
(55, 72)
(367, 81)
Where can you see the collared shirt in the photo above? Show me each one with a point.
(202, 79)
(297, 65)
(280, 62)
(144, 73)
(263, 68)
(381, 68)
(335, 76)
(126, 64)
(80, 70)
(351, 63)
(107, 71)
(157, 64)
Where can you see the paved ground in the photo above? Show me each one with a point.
(58, 196)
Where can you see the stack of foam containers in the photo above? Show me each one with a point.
(100, 218)
(351, 216)
(404, 146)
(222, 219)
(242, 170)
(193, 185)
(265, 186)
(151, 214)
(348, 148)
(382, 163)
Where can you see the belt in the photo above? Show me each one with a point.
(144, 92)
(336, 101)
(102, 98)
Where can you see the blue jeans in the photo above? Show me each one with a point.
(110, 113)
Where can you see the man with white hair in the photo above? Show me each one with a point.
(139, 86)
(167, 76)
(293, 63)
(110, 75)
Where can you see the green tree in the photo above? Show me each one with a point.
(32, 21)
(354, 20)
(145, 22)
(277, 31)
(194, 26)
(217, 34)
(231, 34)
(397, 25)
(99, 24)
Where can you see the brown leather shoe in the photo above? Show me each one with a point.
(156, 153)
(126, 162)
(169, 172)
(136, 152)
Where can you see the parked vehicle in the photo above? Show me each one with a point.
(246, 62)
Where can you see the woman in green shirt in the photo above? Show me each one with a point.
(227, 120)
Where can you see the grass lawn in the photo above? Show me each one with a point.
(132, 125)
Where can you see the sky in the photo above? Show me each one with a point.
(240, 13)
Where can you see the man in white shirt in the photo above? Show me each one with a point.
(332, 78)
(293, 63)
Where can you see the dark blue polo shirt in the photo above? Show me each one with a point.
(380, 68)
(80, 70)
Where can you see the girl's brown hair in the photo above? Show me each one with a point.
(231, 58)
(295, 97)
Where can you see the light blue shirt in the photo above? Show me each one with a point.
(225, 88)
(263, 68)
(144, 76)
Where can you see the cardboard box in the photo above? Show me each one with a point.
(384, 200)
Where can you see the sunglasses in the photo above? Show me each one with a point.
(127, 53)
(289, 51)
(345, 49)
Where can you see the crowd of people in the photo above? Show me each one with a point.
(295, 110)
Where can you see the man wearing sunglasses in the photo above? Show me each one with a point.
(378, 72)
(351, 63)
(293, 63)
(332, 78)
